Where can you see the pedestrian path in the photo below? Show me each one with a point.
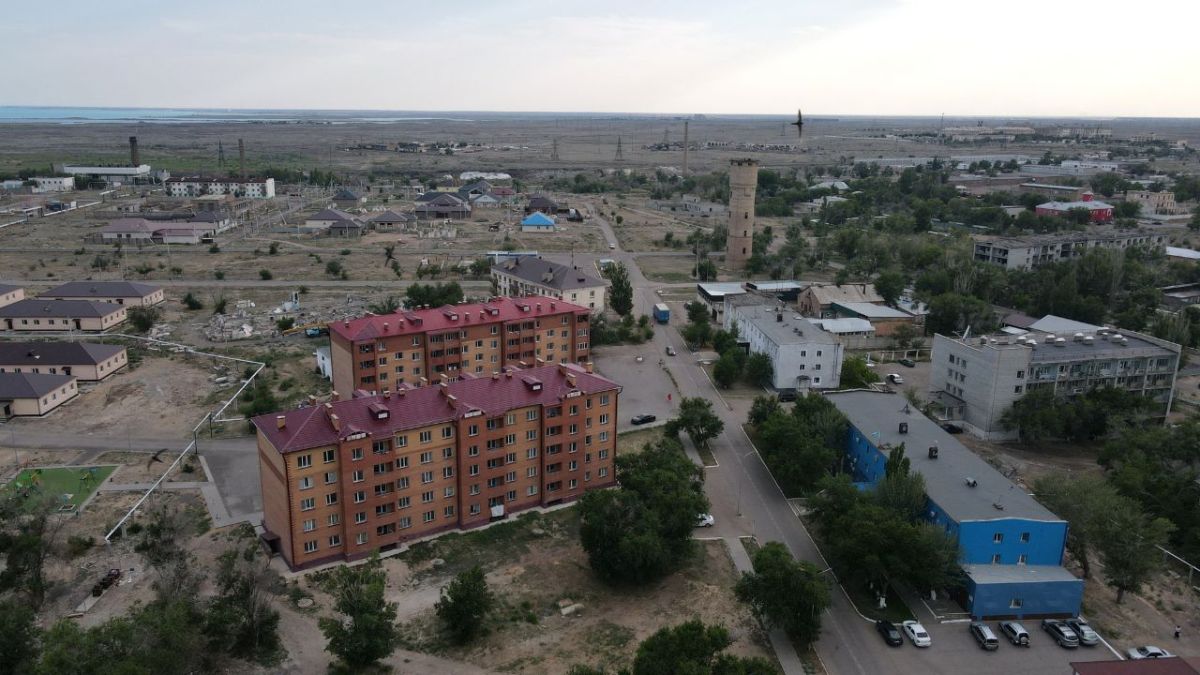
(786, 654)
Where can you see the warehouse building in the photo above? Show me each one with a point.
(1011, 547)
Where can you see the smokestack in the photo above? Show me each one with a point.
(135, 158)
(242, 159)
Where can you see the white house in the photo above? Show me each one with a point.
(803, 354)
(54, 184)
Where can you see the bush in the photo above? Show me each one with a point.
(286, 323)
(265, 275)
(214, 249)
(219, 275)
(192, 302)
(143, 318)
(77, 546)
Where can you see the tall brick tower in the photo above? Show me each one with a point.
(743, 181)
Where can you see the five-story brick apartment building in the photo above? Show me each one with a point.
(343, 479)
(379, 352)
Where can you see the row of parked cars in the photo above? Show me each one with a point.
(1068, 634)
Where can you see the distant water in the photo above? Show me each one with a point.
(56, 115)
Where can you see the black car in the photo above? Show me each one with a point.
(890, 633)
(952, 428)
(907, 363)
(642, 419)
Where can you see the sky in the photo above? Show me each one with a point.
(1098, 58)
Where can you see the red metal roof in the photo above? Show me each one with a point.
(435, 319)
(1173, 666)
(311, 427)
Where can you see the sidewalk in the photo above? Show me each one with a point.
(785, 653)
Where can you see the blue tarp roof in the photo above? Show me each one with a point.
(538, 218)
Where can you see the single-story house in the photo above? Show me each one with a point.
(29, 394)
(506, 195)
(140, 230)
(817, 300)
(541, 203)
(345, 198)
(130, 293)
(327, 218)
(472, 190)
(347, 228)
(87, 361)
(485, 201)
(444, 205)
(389, 220)
(537, 222)
(10, 294)
(40, 314)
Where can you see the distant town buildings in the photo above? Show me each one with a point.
(195, 186)
(351, 477)
(884, 320)
(443, 205)
(143, 231)
(817, 299)
(416, 347)
(53, 184)
(1011, 548)
(804, 356)
(1098, 212)
(1154, 203)
(112, 175)
(715, 293)
(977, 379)
(1030, 251)
(534, 276)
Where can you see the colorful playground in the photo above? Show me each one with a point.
(72, 486)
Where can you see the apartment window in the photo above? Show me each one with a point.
(531, 434)
(356, 454)
(531, 415)
(1022, 559)
(304, 461)
(1017, 389)
(473, 430)
(401, 441)
(447, 472)
(531, 490)
(531, 453)
(405, 522)
(335, 541)
(473, 470)
(383, 509)
(383, 489)
(448, 512)
(357, 476)
(1020, 374)
(572, 465)
(531, 472)
(328, 456)
(603, 399)
(426, 436)
(512, 495)
(360, 497)
(1024, 537)
(360, 517)
(474, 489)
(998, 538)
(330, 477)
(447, 432)
(602, 472)
(572, 484)
(380, 469)
(426, 457)
(603, 436)
(474, 510)
(448, 492)
(402, 463)
(310, 546)
(334, 519)
(603, 454)
(308, 504)
(428, 516)
(447, 453)
(361, 538)
(510, 477)
(1015, 603)
(306, 483)
(604, 418)
(310, 525)
(473, 451)
(331, 499)
(510, 458)
(995, 558)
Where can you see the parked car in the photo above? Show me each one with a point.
(705, 520)
(1015, 633)
(917, 633)
(895, 378)
(889, 632)
(1061, 633)
(642, 419)
(1087, 636)
(984, 636)
(787, 396)
(1148, 652)
(670, 350)
(952, 428)
(907, 363)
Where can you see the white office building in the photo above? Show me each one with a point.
(804, 355)
(251, 188)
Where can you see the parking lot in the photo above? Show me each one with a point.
(653, 384)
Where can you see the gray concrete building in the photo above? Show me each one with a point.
(976, 380)
(804, 355)
(1028, 252)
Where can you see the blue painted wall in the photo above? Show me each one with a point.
(976, 540)
(1051, 598)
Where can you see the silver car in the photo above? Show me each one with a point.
(1087, 636)
(1148, 652)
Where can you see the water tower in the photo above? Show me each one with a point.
(743, 181)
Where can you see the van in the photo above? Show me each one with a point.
(1015, 633)
(984, 636)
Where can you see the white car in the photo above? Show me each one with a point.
(1148, 652)
(917, 633)
(705, 520)
(895, 378)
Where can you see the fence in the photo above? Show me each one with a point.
(1182, 567)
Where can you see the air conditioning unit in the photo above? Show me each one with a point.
(904, 427)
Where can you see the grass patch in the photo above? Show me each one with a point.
(632, 442)
(71, 486)
(896, 610)
(706, 455)
(751, 545)
(503, 541)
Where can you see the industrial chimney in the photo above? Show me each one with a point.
(134, 158)
(242, 159)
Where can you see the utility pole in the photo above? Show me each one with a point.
(685, 148)
(554, 150)
(620, 156)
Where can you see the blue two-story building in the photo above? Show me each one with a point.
(1011, 547)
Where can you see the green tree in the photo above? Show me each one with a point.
(697, 312)
(388, 305)
(706, 270)
(643, 530)
(697, 419)
(785, 593)
(143, 318)
(191, 302)
(265, 275)
(433, 295)
(20, 639)
(759, 370)
(366, 631)
(856, 374)
(1130, 550)
(762, 409)
(285, 323)
(727, 370)
(465, 603)
(1085, 502)
(889, 285)
(697, 333)
(28, 533)
(240, 619)
(480, 268)
(693, 648)
(620, 293)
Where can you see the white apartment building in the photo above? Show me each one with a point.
(53, 184)
(975, 381)
(1154, 203)
(1028, 252)
(252, 188)
(804, 355)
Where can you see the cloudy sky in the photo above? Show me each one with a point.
(959, 57)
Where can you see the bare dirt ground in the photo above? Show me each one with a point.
(158, 398)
